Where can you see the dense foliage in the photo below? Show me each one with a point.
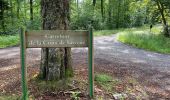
(16, 14)
(104, 14)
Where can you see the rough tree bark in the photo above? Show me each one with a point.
(56, 63)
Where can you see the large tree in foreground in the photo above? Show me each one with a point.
(55, 62)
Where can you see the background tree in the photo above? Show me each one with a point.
(3, 6)
(31, 10)
(162, 6)
(105, 14)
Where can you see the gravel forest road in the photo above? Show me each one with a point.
(149, 68)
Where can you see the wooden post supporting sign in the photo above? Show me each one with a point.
(91, 66)
(23, 66)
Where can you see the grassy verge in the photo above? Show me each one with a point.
(5, 97)
(8, 40)
(110, 32)
(143, 38)
(106, 32)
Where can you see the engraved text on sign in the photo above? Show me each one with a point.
(56, 38)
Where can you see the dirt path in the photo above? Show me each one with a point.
(152, 70)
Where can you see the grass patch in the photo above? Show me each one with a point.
(103, 78)
(110, 32)
(106, 32)
(105, 81)
(5, 97)
(9, 40)
(143, 38)
(51, 85)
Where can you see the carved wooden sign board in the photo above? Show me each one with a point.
(56, 38)
(52, 39)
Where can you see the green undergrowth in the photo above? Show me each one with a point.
(105, 81)
(106, 32)
(9, 40)
(43, 85)
(143, 38)
(114, 31)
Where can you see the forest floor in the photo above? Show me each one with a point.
(142, 74)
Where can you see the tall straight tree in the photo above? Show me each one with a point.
(102, 10)
(56, 63)
(162, 9)
(18, 8)
(12, 16)
(118, 13)
(3, 6)
(31, 10)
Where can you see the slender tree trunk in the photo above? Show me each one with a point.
(2, 20)
(12, 17)
(110, 15)
(102, 10)
(25, 10)
(118, 14)
(31, 10)
(162, 9)
(56, 63)
(78, 10)
(18, 7)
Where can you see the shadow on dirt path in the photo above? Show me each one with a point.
(151, 69)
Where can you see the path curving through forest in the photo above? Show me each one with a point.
(149, 68)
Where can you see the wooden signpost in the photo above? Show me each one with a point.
(56, 38)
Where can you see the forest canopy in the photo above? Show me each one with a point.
(104, 14)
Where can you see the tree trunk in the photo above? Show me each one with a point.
(12, 17)
(2, 20)
(110, 15)
(118, 14)
(161, 9)
(18, 8)
(102, 10)
(56, 63)
(31, 10)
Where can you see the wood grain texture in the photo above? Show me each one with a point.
(56, 38)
